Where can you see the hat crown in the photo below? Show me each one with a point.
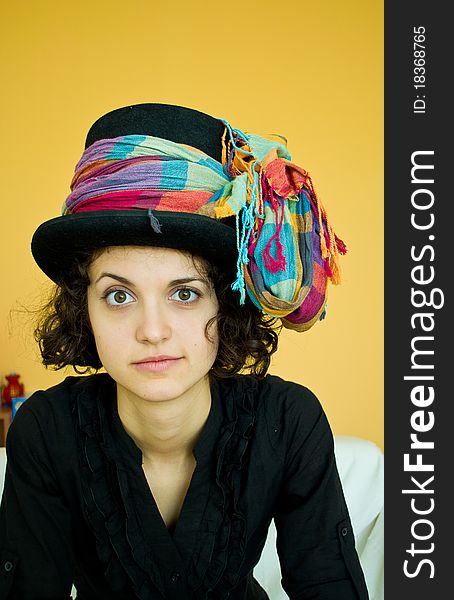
(175, 123)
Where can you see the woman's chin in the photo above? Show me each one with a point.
(161, 388)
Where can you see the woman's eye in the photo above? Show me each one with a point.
(185, 295)
(118, 297)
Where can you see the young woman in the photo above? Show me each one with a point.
(181, 246)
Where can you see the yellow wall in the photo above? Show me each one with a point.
(311, 71)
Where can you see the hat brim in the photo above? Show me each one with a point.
(57, 242)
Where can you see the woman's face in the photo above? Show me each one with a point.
(148, 309)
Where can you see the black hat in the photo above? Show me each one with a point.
(173, 177)
(57, 242)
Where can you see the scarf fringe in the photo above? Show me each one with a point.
(239, 159)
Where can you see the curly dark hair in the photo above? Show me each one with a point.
(247, 336)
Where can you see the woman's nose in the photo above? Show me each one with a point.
(153, 325)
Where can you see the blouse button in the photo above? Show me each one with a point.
(8, 566)
(175, 577)
(344, 531)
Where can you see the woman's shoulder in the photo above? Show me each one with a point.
(286, 415)
(289, 397)
(288, 392)
(57, 398)
(277, 400)
(48, 413)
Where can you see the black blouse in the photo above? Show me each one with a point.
(76, 505)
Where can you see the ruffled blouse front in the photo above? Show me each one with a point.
(206, 551)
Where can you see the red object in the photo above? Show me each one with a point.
(13, 389)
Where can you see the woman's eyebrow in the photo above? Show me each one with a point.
(113, 276)
(184, 280)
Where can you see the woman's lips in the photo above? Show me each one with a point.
(157, 364)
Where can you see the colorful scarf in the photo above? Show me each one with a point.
(287, 249)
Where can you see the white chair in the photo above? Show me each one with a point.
(360, 465)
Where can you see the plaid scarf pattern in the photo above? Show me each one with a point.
(287, 248)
